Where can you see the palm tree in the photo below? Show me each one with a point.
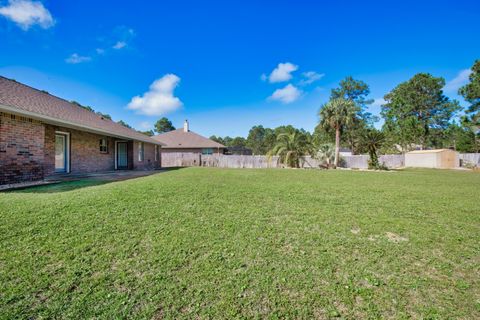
(373, 140)
(326, 154)
(335, 115)
(290, 147)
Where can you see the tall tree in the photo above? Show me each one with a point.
(414, 108)
(336, 115)
(238, 142)
(123, 123)
(260, 139)
(163, 125)
(256, 138)
(471, 93)
(147, 132)
(356, 91)
(217, 139)
(104, 115)
(372, 141)
(290, 147)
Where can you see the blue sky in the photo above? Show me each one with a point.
(229, 65)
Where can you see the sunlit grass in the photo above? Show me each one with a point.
(213, 243)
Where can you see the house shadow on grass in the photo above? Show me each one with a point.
(60, 186)
(70, 183)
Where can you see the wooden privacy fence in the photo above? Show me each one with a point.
(470, 158)
(187, 159)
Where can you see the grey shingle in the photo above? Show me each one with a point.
(24, 98)
(179, 139)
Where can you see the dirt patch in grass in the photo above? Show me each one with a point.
(393, 237)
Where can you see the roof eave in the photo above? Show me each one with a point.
(72, 125)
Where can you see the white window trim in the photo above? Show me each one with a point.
(141, 151)
(67, 151)
(106, 145)
(116, 153)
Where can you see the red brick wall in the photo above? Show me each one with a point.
(21, 149)
(27, 151)
(85, 155)
(148, 162)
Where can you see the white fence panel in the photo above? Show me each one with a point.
(472, 158)
(188, 159)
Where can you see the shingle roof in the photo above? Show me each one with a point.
(178, 139)
(25, 100)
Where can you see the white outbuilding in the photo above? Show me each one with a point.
(439, 158)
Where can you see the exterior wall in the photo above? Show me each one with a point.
(27, 151)
(421, 160)
(148, 162)
(445, 159)
(21, 149)
(449, 159)
(85, 155)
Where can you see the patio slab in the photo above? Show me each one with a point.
(106, 176)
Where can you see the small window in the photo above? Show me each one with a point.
(156, 153)
(103, 145)
(140, 151)
(207, 151)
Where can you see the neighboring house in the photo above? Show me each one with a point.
(184, 140)
(43, 135)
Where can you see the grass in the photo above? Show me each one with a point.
(213, 243)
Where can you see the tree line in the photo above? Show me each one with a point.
(416, 113)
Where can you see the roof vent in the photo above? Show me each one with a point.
(185, 126)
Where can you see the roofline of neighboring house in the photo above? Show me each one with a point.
(72, 125)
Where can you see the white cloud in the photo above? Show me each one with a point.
(76, 58)
(283, 72)
(100, 51)
(159, 99)
(310, 77)
(119, 45)
(288, 94)
(145, 125)
(378, 102)
(27, 13)
(457, 82)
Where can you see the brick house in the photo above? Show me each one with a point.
(42, 135)
(186, 141)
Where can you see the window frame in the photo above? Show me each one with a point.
(141, 152)
(207, 151)
(101, 145)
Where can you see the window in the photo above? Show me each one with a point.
(156, 153)
(103, 145)
(207, 151)
(140, 151)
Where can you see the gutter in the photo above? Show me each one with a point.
(72, 125)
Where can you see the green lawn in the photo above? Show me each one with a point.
(215, 243)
